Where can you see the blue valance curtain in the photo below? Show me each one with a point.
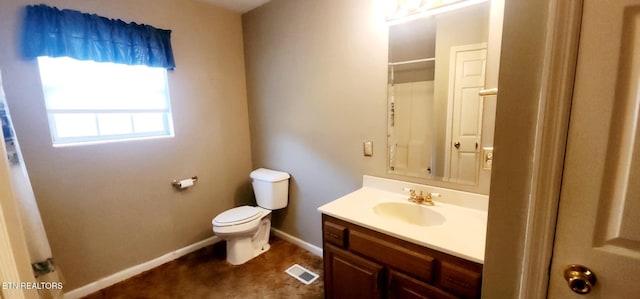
(49, 31)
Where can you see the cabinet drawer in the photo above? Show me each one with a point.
(417, 264)
(401, 286)
(335, 234)
(460, 281)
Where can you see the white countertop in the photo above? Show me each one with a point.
(462, 233)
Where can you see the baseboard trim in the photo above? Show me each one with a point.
(137, 269)
(299, 242)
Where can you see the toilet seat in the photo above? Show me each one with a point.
(237, 216)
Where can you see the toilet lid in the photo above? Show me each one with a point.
(237, 215)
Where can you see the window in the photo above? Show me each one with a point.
(89, 102)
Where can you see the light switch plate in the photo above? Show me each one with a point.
(487, 157)
(367, 148)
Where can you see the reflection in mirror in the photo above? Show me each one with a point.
(437, 67)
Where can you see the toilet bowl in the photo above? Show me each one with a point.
(246, 229)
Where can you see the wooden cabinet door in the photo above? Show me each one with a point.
(350, 276)
(406, 287)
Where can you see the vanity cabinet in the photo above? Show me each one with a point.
(363, 263)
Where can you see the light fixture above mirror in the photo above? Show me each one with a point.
(400, 11)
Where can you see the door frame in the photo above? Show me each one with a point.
(15, 265)
(525, 194)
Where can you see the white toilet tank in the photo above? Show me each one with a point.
(271, 188)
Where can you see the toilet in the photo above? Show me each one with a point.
(246, 229)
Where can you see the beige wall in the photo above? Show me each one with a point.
(111, 206)
(316, 84)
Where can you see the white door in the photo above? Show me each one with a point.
(599, 213)
(468, 69)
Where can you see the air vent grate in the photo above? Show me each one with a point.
(302, 274)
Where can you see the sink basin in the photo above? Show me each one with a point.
(409, 213)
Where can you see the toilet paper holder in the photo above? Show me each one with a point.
(178, 184)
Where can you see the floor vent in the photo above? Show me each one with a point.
(302, 274)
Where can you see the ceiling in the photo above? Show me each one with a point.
(240, 6)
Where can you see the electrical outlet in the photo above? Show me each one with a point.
(367, 148)
(487, 157)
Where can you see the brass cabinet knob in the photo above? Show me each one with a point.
(580, 278)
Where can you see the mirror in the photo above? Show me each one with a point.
(439, 127)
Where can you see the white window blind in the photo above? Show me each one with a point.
(89, 102)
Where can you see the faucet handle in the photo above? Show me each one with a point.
(413, 197)
(412, 192)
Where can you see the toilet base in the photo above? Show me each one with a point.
(241, 250)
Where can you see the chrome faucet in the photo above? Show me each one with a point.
(422, 198)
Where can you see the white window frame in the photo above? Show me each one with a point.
(135, 107)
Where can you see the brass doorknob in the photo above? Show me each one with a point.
(457, 145)
(580, 278)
